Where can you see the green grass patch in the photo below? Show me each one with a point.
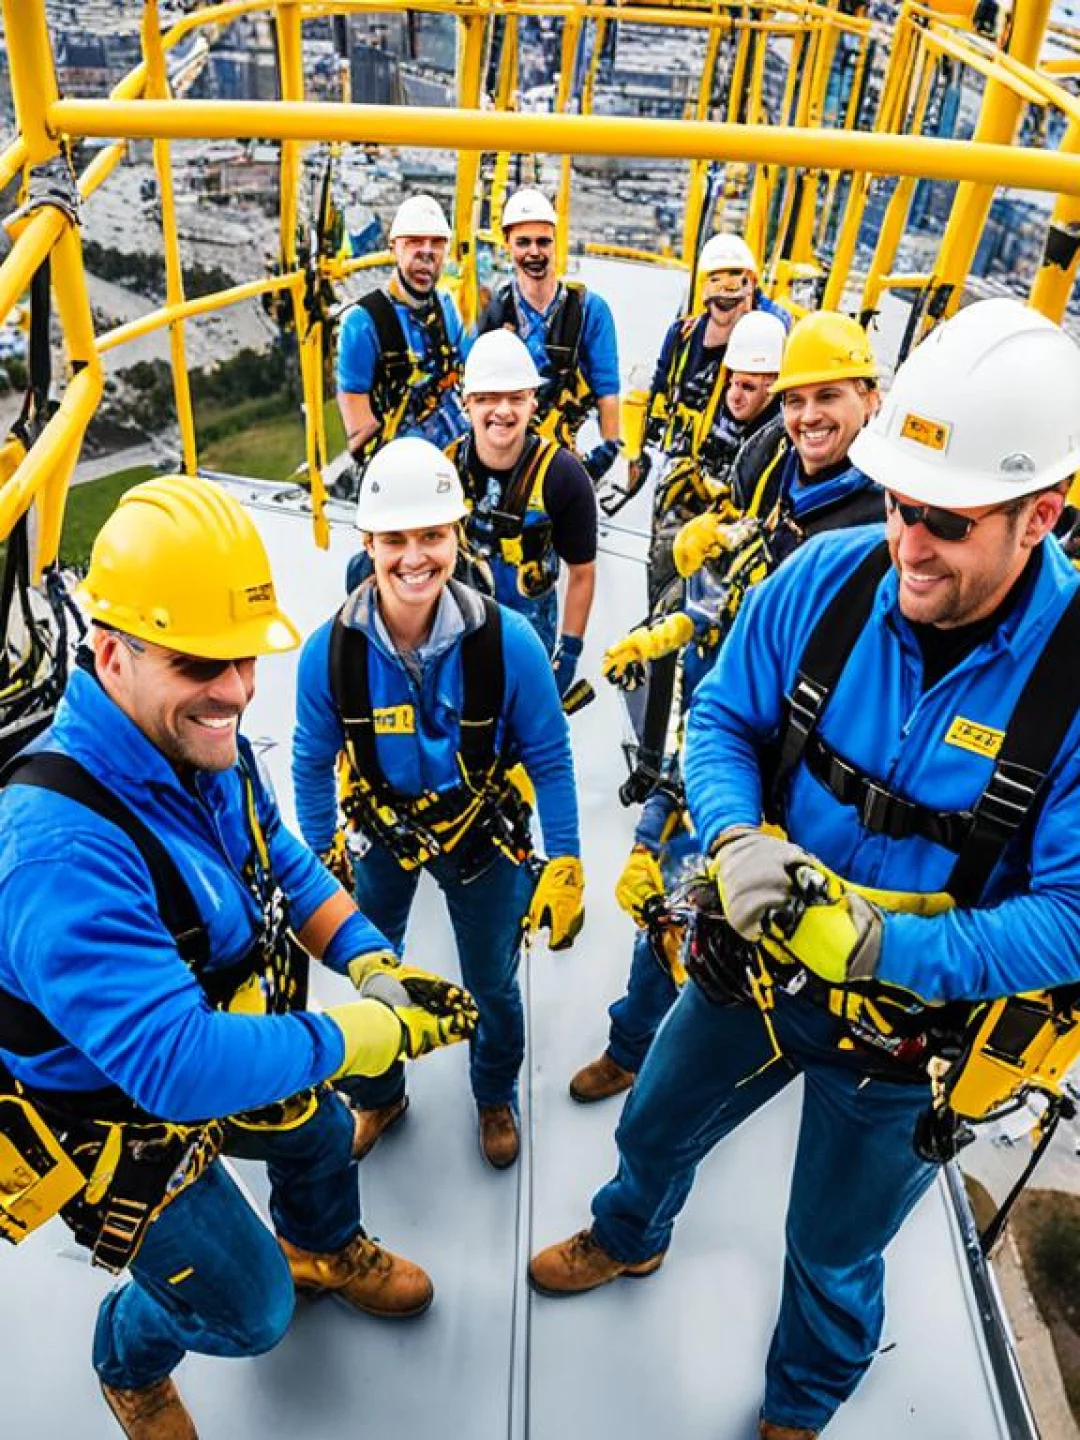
(89, 506)
(261, 438)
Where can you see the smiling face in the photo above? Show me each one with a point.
(500, 422)
(420, 259)
(411, 571)
(186, 706)
(823, 420)
(956, 582)
(532, 248)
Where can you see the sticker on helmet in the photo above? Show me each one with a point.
(934, 434)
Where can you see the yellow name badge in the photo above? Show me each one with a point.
(931, 433)
(979, 739)
(395, 720)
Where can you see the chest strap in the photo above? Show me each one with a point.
(1035, 732)
(24, 1030)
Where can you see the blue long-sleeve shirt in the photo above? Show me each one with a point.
(81, 938)
(532, 726)
(1025, 932)
(598, 352)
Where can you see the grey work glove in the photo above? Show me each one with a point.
(754, 874)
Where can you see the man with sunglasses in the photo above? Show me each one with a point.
(569, 330)
(906, 707)
(151, 1014)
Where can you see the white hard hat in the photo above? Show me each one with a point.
(410, 483)
(528, 204)
(499, 362)
(726, 252)
(419, 215)
(985, 410)
(756, 344)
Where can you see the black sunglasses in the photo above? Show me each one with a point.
(942, 524)
(196, 669)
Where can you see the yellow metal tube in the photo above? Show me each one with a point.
(33, 76)
(34, 241)
(11, 162)
(201, 305)
(976, 161)
(50, 450)
(570, 36)
(157, 87)
(473, 35)
(699, 169)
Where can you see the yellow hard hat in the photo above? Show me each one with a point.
(180, 562)
(825, 346)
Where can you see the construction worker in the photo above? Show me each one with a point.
(793, 483)
(443, 692)
(919, 704)
(402, 346)
(686, 418)
(569, 330)
(149, 1013)
(532, 505)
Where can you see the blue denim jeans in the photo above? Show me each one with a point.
(486, 915)
(209, 1276)
(856, 1178)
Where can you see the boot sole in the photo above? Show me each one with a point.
(314, 1294)
(583, 1099)
(639, 1272)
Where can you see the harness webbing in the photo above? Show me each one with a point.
(24, 1030)
(562, 340)
(483, 685)
(1034, 734)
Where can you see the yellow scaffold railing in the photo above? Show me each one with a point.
(797, 111)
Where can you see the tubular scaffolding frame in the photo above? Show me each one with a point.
(853, 108)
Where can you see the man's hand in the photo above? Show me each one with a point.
(564, 661)
(433, 1011)
(754, 873)
(837, 934)
(624, 662)
(600, 459)
(558, 902)
(639, 882)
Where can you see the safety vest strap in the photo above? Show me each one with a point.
(394, 357)
(23, 1029)
(483, 685)
(562, 338)
(1035, 732)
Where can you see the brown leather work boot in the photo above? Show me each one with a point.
(768, 1431)
(363, 1275)
(500, 1139)
(155, 1412)
(599, 1080)
(580, 1263)
(370, 1124)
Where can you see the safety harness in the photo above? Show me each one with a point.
(509, 520)
(95, 1157)
(408, 386)
(565, 397)
(475, 820)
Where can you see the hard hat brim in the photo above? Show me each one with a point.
(816, 377)
(271, 634)
(930, 483)
(373, 521)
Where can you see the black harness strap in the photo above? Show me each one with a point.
(563, 331)
(393, 347)
(1035, 733)
(824, 658)
(483, 685)
(24, 1030)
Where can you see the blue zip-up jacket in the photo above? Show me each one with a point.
(532, 726)
(81, 938)
(1025, 933)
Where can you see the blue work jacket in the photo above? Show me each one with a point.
(598, 353)
(1025, 932)
(81, 938)
(422, 756)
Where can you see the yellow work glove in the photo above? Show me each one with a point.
(639, 882)
(339, 862)
(372, 1034)
(374, 962)
(700, 539)
(837, 935)
(558, 902)
(624, 663)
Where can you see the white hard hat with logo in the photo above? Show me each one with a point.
(409, 484)
(726, 252)
(528, 205)
(985, 410)
(756, 345)
(419, 215)
(499, 363)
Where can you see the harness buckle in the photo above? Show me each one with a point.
(1009, 796)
